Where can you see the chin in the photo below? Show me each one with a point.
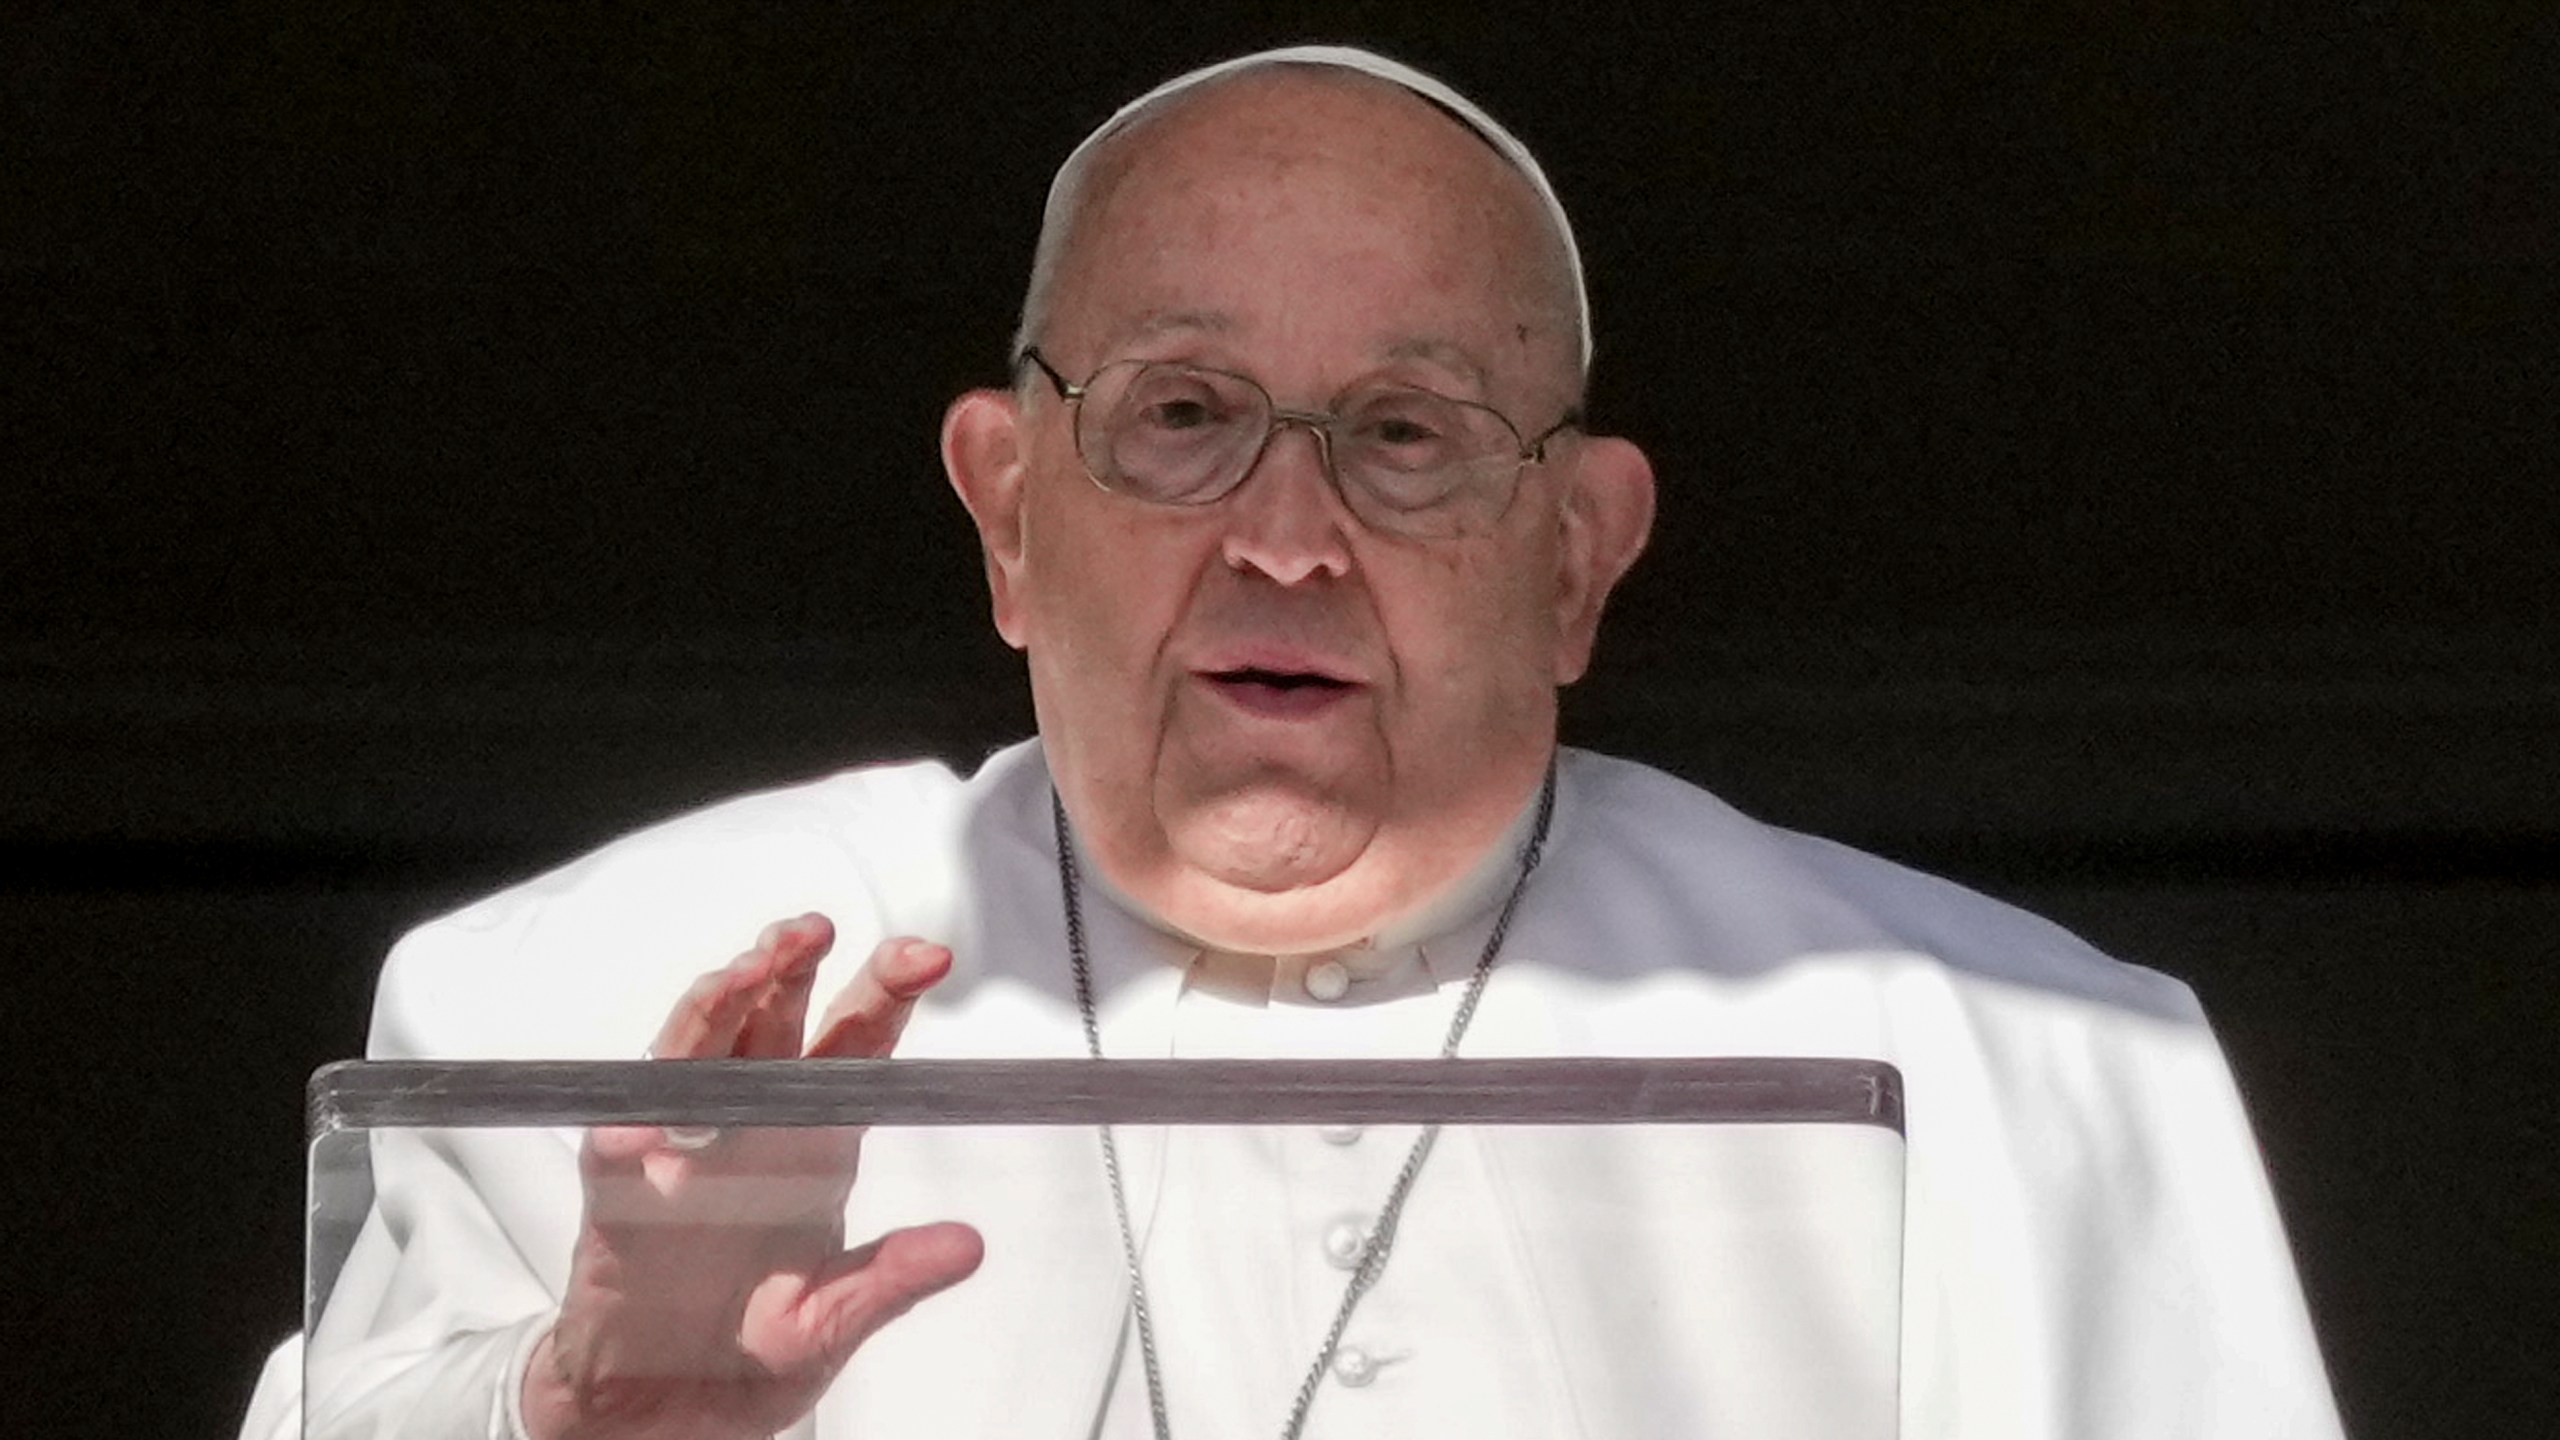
(1330, 916)
(1273, 871)
(1272, 841)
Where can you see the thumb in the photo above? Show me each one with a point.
(859, 1291)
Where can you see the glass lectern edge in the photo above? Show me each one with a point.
(492, 1093)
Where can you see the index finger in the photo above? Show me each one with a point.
(773, 1027)
(866, 1016)
(730, 1011)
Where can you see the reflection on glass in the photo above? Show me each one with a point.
(1636, 1259)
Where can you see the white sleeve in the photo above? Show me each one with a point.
(452, 1281)
(2104, 1259)
(388, 1360)
(275, 1407)
(461, 1262)
(2198, 1275)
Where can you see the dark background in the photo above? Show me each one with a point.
(2107, 455)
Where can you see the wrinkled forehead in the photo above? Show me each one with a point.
(1067, 189)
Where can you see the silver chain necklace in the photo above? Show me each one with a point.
(1373, 1254)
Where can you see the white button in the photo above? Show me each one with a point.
(1353, 1366)
(1345, 1241)
(1328, 980)
(1339, 1134)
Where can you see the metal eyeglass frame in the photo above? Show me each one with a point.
(1319, 423)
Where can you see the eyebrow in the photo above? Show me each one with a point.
(1443, 353)
(1161, 322)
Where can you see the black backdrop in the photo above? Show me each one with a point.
(2108, 455)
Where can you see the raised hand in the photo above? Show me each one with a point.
(711, 1294)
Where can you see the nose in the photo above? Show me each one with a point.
(1287, 521)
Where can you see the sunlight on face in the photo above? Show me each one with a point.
(1274, 725)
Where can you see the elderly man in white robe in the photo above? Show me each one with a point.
(1291, 510)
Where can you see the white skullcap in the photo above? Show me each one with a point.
(1345, 57)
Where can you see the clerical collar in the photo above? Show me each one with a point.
(1473, 896)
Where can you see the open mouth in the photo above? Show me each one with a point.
(1279, 679)
(1279, 692)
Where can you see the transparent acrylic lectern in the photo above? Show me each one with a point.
(1605, 1248)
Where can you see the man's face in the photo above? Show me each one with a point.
(1273, 725)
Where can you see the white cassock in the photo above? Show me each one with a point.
(2089, 1248)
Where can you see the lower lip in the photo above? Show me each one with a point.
(1281, 702)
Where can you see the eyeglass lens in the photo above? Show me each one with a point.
(1179, 435)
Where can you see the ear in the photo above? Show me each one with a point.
(1606, 517)
(982, 453)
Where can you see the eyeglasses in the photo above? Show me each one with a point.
(1403, 459)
